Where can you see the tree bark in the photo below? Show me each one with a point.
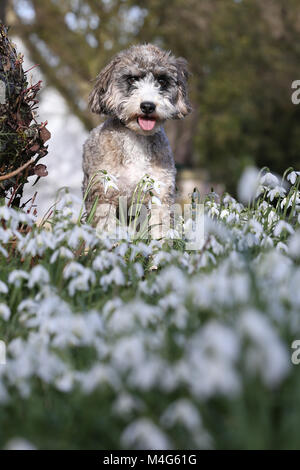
(3, 7)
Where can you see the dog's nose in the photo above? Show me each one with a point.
(147, 107)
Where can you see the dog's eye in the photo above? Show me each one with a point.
(162, 81)
(131, 80)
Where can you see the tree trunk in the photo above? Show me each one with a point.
(3, 6)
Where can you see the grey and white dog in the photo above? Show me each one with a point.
(138, 90)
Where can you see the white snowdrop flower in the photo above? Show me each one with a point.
(146, 314)
(145, 375)
(67, 207)
(294, 245)
(267, 241)
(122, 249)
(293, 200)
(278, 191)
(111, 305)
(173, 278)
(3, 288)
(260, 190)
(27, 307)
(155, 200)
(25, 218)
(256, 227)
(122, 319)
(272, 217)
(237, 206)
(211, 356)
(33, 244)
(105, 260)
(216, 228)
(228, 200)
(115, 276)
(268, 179)
(184, 412)
(6, 213)
(214, 211)
(232, 218)
(248, 184)
(107, 179)
(140, 248)
(282, 226)
(128, 352)
(187, 226)
(224, 214)
(82, 282)
(173, 234)
(264, 206)
(16, 346)
(240, 287)
(148, 289)
(282, 247)
(3, 251)
(79, 283)
(98, 375)
(283, 203)
(65, 382)
(126, 404)
(61, 252)
(44, 240)
(267, 356)
(44, 308)
(73, 269)
(161, 258)
(144, 434)
(80, 234)
(66, 212)
(292, 176)
(38, 275)
(217, 248)
(275, 265)
(4, 311)
(139, 270)
(16, 276)
(171, 300)
(147, 183)
(6, 234)
(19, 443)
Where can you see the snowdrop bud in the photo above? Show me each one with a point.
(4, 312)
(248, 184)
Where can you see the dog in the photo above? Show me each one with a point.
(138, 90)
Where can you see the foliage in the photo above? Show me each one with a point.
(22, 139)
(120, 344)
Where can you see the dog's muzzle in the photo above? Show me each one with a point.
(145, 121)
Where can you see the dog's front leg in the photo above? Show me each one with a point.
(160, 221)
(106, 219)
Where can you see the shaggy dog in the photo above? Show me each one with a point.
(138, 90)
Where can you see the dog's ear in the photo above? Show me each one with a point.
(183, 105)
(98, 97)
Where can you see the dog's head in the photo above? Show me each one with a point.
(142, 86)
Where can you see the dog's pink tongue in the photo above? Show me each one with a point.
(146, 124)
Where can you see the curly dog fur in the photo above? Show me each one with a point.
(138, 90)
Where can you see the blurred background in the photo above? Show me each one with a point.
(243, 56)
